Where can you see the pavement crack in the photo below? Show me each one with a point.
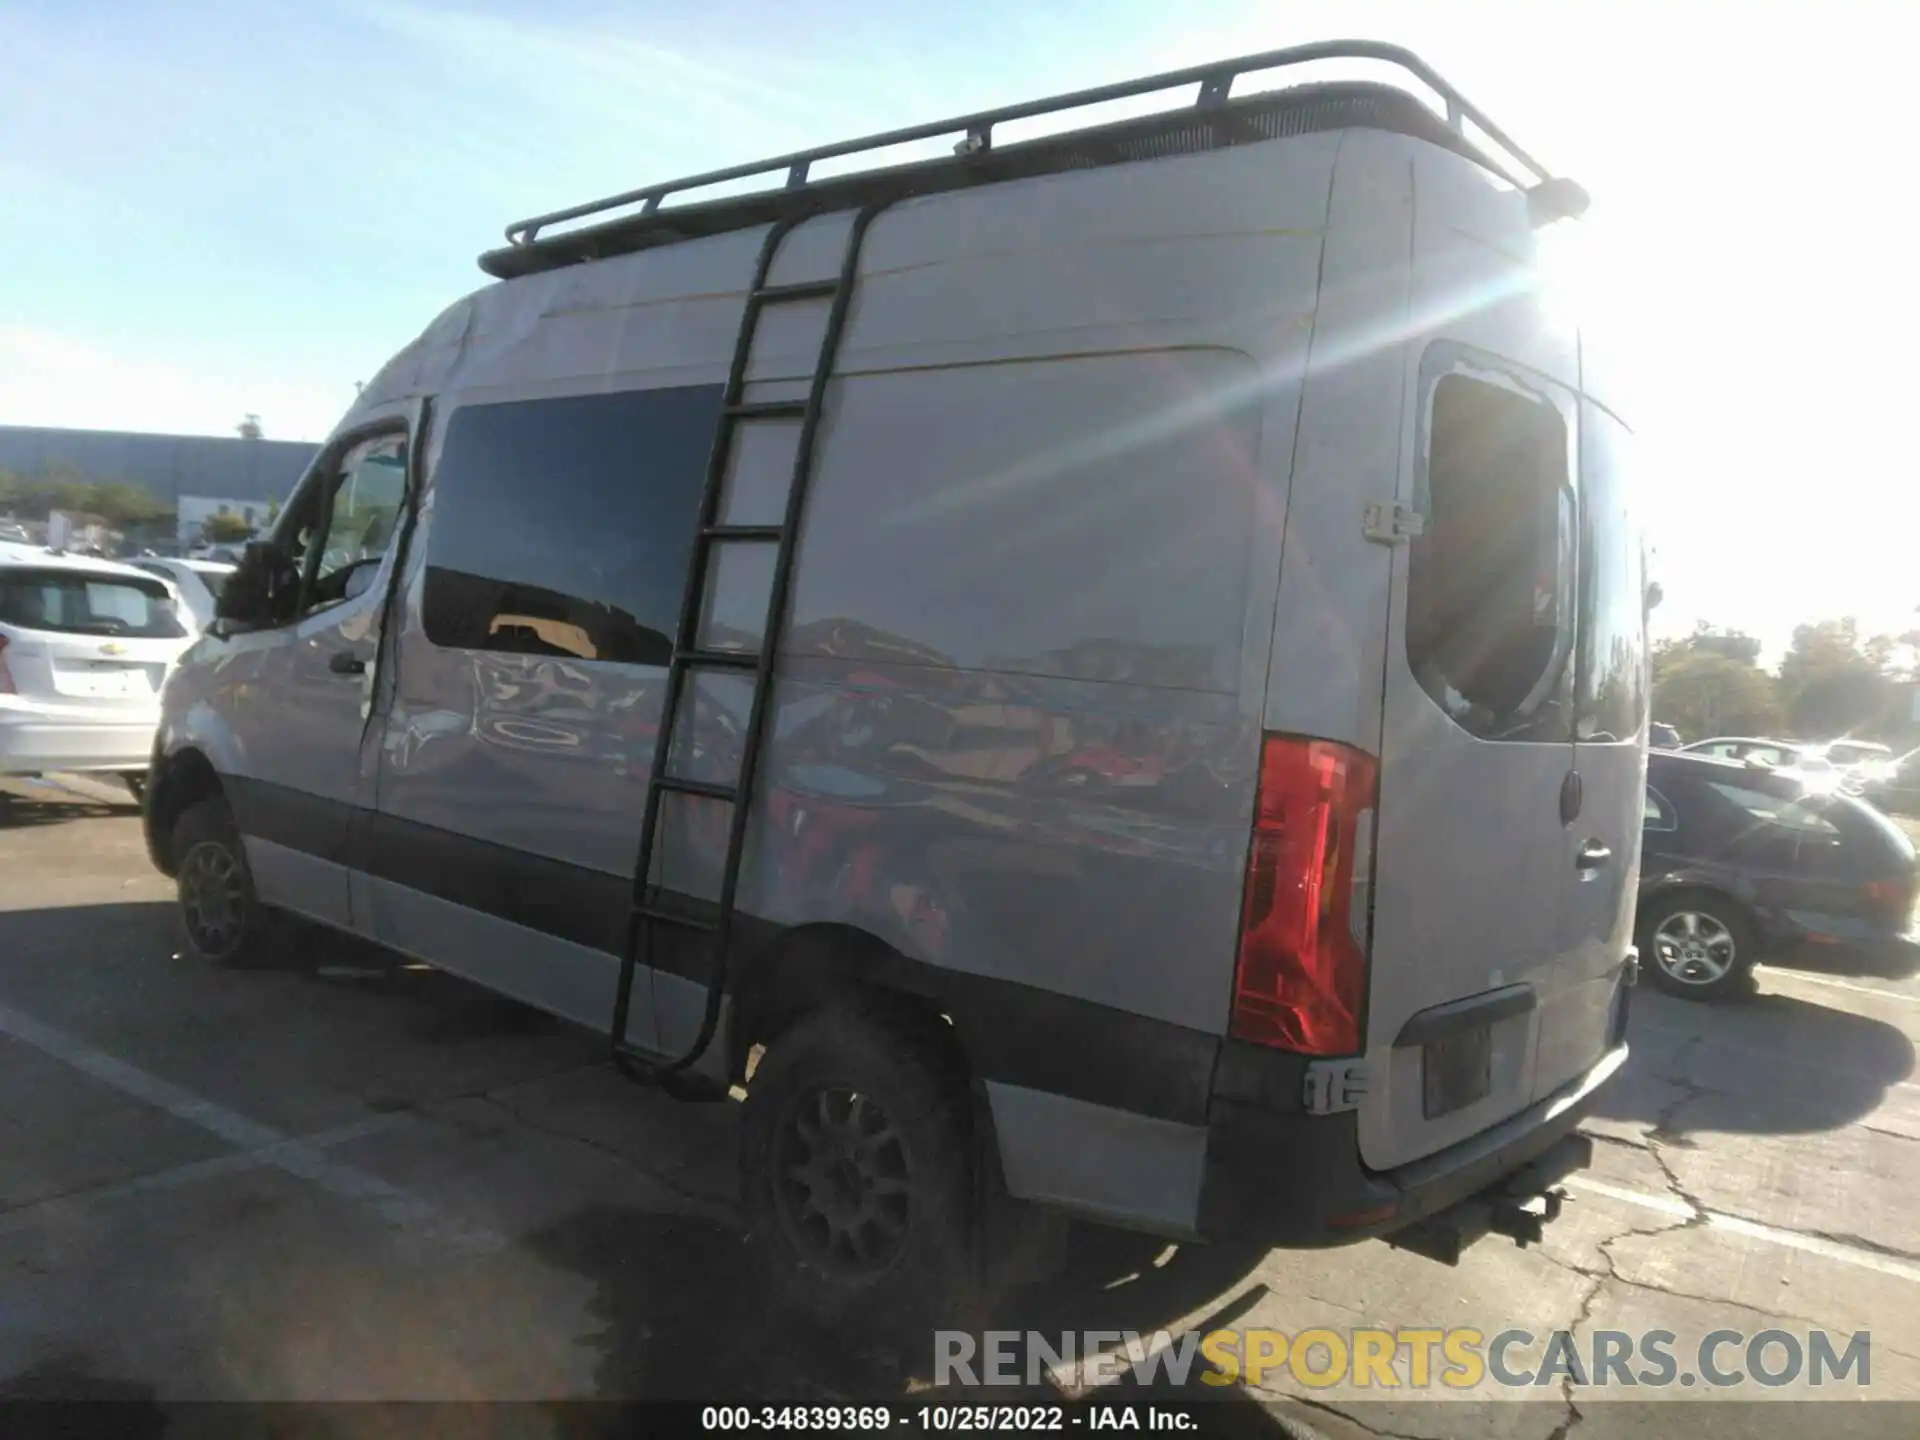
(1325, 1408)
(1892, 1134)
(1858, 1242)
(1620, 1140)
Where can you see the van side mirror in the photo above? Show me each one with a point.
(262, 591)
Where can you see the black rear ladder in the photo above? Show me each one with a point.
(647, 908)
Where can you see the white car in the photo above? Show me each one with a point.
(85, 646)
(198, 582)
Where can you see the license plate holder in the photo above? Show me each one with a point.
(1456, 1071)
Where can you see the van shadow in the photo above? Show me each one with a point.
(1845, 964)
(1768, 1064)
(445, 1009)
(23, 808)
(686, 1312)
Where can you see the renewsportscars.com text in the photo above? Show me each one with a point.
(1460, 1358)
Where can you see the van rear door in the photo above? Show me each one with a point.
(1476, 751)
(1602, 837)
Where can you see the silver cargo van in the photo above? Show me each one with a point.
(1108, 670)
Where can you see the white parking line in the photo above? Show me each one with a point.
(263, 1144)
(32, 1214)
(1753, 1230)
(1828, 980)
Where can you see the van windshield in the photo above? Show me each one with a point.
(76, 603)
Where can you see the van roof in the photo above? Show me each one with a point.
(1212, 121)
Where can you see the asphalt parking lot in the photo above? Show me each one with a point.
(348, 1178)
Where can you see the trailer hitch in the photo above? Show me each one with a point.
(1519, 1207)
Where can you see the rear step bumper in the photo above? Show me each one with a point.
(1290, 1179)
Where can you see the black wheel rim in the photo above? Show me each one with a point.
(213, 897)
(843, 1182)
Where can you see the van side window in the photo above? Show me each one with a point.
(1489, 613)
(339, 525)
(1612, 686)
(565, 526)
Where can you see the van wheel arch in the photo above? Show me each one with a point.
(814, 966)
(174, 785)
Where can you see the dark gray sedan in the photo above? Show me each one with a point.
(1740, 860)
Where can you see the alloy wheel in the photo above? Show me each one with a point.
(1694, 948)
(213, 897)
(843, 1182)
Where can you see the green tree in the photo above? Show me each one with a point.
(1705, 692)
(225, 529)
(1835, 682)
(124, 504)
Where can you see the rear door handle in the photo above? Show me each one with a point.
(1593, 856)
(345, 662)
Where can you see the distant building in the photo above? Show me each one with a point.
(195, 510)
(166, 466)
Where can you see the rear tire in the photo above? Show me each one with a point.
(856, 1169)
(222, 916)
(1697, 944)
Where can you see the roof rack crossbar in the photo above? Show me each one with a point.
(1214, 79)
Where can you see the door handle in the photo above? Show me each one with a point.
(1593, 856)
(345, 662)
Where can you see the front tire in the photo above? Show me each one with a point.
(1699, 944)
(220, 912)
(856, 1167)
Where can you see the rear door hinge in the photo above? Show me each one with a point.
(1388, 522)
(1334, 1085)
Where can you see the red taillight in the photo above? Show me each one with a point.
(1301, 978)
(1893, 897)
(6, 676)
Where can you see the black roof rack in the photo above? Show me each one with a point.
(1212, 121)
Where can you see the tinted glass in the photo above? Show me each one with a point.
(565, 526)
(1775, 811)
(1489, 618)
(1656, 813)
(76, 604)
(1612, 689)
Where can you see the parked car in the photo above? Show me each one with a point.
(1807, 763)
(1663, 737)
(85, 647)
(1870, 770)
(198, 581)
(1037, 793)
(1741, 861)
(1852, 754)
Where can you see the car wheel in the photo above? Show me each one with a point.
(1698, 945)
(856, 1167)
(224, 921)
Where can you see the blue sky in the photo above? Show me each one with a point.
(208, 209)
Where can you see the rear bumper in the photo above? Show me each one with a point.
(1296, 1180)
(60, 738)
(1813, 933)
